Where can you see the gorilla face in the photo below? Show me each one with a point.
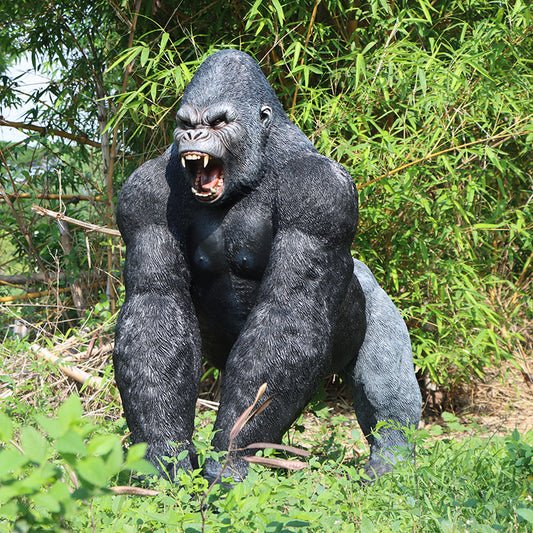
(221, 135)
(217, 148)
(206, 140)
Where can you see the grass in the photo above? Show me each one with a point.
(57, 464)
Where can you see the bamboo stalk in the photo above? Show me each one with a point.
(505, 136)
(75, 284)
(308, 36)
(23, 279)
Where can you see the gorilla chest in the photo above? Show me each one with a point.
(235, 244)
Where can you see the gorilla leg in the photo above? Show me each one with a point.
(289, 389)
(382, 377)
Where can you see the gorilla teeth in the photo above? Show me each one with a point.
(207, 194)
(194, 157)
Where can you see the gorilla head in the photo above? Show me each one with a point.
(223, 126)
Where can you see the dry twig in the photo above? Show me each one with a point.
(86, 379)
(134, 491)
(86, 225)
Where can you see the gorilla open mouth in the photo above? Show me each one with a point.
(207, 175)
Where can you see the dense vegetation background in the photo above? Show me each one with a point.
(427, 103)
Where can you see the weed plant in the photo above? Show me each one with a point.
(56, 473)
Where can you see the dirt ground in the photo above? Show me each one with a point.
(495, 405)
(502, 401)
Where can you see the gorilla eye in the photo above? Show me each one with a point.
(218, 121)
(185, 123)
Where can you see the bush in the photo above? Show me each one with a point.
(58, 477)
(428, 105)
(44, 479)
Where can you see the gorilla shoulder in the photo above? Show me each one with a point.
(318, 194)
(142, 201)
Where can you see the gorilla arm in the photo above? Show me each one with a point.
(286, 341)
(157, 348)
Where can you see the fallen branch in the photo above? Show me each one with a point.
(48, 131)
(26, 296)
(86, 225)
(32, 279)
(288, 464)
(134, 491)
(86, 379)
(207, 403)
(54, 196)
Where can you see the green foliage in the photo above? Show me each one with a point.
(56, 477)
(427, 103)
(520, 457)
(45, 477)
(429, 106)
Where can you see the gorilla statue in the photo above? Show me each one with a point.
(238, 249)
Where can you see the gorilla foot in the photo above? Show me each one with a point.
(375, 468)
(235, 468)
(165, 459)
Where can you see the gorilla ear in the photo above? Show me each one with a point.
(266, 115)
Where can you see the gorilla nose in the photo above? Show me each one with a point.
(195, 135)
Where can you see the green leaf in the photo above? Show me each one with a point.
(11, 460)
(164, 40)
(296, 54)
(145, 54)
(366, 525)
(422, 79)
(51, 426)
(136, 452)
(34, 444)
(487, 226)
(71, 443)
(436, 430)
(425, 8)
(6, 428)
(279, 10)
(251, 12)
(297, 523)
(10, 510)
(525, 513)
(143, 466)
(359, 68)
(70, 412)
(48, 501)
(92, 470)
(102, 444)
(449, 417)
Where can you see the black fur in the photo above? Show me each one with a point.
(247, 261)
